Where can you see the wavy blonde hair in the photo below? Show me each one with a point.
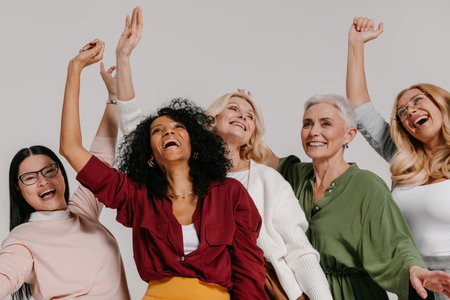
(410, 164)
(255, 149)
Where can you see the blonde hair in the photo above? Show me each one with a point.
(410, 164)
(255, 149)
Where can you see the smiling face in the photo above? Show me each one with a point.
(324, 133)
(236, 123)
(48, 192)
(423, 118)
(169, 141)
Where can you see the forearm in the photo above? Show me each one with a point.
(109, 124)
(71, 146)
(356, 86)
(125, 89)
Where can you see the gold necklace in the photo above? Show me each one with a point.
(173, 196)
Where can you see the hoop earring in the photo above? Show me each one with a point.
(151, 163)
(195, 155)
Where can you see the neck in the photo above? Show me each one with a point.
(180, 182)
(327, 170)
(431, 145)
(239, 164)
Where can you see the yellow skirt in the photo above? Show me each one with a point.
(183, 288)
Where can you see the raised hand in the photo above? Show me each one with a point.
(435, 281)
(89, 54)
(363, 30)
(242, 91)
(109, 80)
(131, 33)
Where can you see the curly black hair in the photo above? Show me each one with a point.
(208, 160)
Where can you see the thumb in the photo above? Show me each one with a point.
(417, 285)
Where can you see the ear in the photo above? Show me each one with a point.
(350, 135)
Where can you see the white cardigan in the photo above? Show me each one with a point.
(282, 236)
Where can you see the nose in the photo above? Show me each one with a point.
(315, 129)
(167, 131)
(42, 180)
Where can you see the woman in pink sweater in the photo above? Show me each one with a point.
(57, 248)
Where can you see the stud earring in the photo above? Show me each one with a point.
(346, 146)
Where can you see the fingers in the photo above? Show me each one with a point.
(102, 68)
(417, 285)
(111, 69)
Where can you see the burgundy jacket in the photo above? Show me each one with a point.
(227, 223)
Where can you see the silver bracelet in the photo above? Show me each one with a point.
(109, 101)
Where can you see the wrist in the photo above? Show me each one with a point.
(74, 66)
(122, 58)
(356, 44)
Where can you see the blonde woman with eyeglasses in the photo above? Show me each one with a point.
(416, 143)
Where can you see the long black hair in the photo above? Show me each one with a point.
(208, 160)
(19, 209)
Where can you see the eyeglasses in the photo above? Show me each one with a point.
(416, 101)
(48, 171)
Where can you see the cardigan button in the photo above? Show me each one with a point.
(316, 208)
(182, 258)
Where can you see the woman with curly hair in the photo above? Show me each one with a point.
(416, 143)
(292, 263)
(194, 230)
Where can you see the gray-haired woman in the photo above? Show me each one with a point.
(364, 242)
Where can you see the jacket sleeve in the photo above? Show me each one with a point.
(375, 130)
(130, 115)
(112, 188)
(16, 263)
(247, 264)
(83, 201)
(290, 222)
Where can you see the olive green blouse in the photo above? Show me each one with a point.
(364, 242)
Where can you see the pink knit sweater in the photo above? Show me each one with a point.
(66, 254)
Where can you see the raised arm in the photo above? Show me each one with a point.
(71, 146)
(83, 200)
(361, 31)
(128, 40)
(370, 123)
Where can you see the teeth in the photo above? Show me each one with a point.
(316, 143)
(170, 141)
(416, 122)
(46, 192)
(238, 124)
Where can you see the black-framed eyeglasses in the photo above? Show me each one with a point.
(48, 171)
(416, 101)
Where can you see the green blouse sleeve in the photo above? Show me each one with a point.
(386, 246)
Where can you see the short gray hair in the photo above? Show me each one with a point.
(346, 108)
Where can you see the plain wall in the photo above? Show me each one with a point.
(284, 51)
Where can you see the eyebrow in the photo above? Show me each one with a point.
(321, 119)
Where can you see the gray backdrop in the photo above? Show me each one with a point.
(283, 51)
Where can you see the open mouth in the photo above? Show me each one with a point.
(171, 143)
(47, 194)
(239, 124)
(420, 121)
(316, 144)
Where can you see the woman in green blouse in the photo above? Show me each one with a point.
(364, 242)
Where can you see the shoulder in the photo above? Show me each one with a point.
(265, 174)
(19, 235)
(366, 179)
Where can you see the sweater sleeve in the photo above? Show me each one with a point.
(130, 115)
(290, 222)
(111, 187)
(375, 130)
(16, 263)
(83, 200)
(247, 264)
